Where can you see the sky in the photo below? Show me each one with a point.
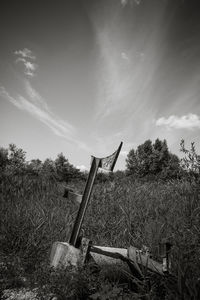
(79, 77)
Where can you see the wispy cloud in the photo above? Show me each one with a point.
(124, 56)
(115, 82)
(26, 53)
(30, 68)
(190, 121)
(7, 96)
(125, 2)
(35, 96)
(58, 126)
(138, 2)
(123, 78)
(36, 106)
(26, 57)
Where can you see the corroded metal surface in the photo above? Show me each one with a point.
(106, 163)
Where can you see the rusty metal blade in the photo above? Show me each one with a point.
(108, 163)
(86, 197)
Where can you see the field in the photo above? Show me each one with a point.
(121, 213)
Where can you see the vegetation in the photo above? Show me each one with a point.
(153, 160)
(157, 197)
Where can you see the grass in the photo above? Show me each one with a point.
(121, 213)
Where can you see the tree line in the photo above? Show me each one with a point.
(13, 161)
(155, 161)
(150, 161)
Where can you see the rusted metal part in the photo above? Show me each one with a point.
(135, 258)
(108, 164)
(78, 250)
(131, 260)
(117, 256)
(142, 259)
(86, 197)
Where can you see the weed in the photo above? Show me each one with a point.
(33, 215)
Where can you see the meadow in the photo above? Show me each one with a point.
(122, 212)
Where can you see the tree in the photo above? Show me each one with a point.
(3, 158)
(117, 175)
(65, 170)
(144, 153)
(139, 161)
(102, 177)
(132, 162)
(191, 161)
(3, 162)
(152, 159)
(35, 166)
(160, 157)
(49, 168)
(16, 159)
(172, 169)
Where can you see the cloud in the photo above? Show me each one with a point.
(120, 70)
(24, 56)
(190, 121)
(115, 82)
(124, 2)
(30, 68)
(26, 53)
(35, 96)
(82, 168)
(36, 106)
(124, 56)
(59, 127)
(6, 95)
(138, 2)
(124, 153)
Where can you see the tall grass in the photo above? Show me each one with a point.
(121, 213)
(33, 215)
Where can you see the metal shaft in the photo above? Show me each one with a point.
(85, 200)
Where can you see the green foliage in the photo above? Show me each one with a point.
(153, 160)
(65, 170)
(108, 291)
(33, 216)
(191, 161)
(13, 160)
(49, 168)
(35, 166)
(61, 283)
(11, 273)
(16, 157)
(3, 158)
(123, 211)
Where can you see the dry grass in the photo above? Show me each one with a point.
(34, 215)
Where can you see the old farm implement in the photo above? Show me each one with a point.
(79, 250)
